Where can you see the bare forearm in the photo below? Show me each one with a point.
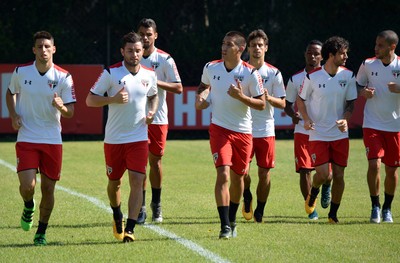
(152, 104)
(279, 103)
(173, 87)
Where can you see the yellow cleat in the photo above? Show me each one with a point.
(128, 237)
(310, 208)
(118, 229)
(247, 215)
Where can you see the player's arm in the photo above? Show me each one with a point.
(291, 113)
(343, 124)
(279, 103)
(66, 110)
(11, 105)
(393, 87)
(257, 103)
(174, 87)
(308, 123)
(202, 93)
(94, 100)
(152, 105)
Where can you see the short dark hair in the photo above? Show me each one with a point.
(332, 45)
(131, 37)
(240, 39)
(390, 37)
(258, 33)
(41, 35)
(147, 23)
(314, 42)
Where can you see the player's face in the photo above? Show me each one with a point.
(382, 48)
(44, 50)
(132, 53)
(148, 35)
(257, 48)
(313, 56)
(341, 57)
(229, 49)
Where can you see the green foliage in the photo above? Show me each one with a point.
(80, 230)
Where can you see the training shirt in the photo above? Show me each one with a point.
(327, 97)
(35, 93)
(263, 121)
(229, 112)
(382, 111)
(164, 66)
(126, 122)
(292, 89)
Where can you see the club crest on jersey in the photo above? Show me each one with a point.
(155, 65)
(265, 79)
(342, 83)
(238, 77)
(52, 83)
(145, 83)
(396, 73)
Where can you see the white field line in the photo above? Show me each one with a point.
(159, 230)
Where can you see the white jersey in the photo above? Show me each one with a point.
(35, 93)
(382, 111)
(263, 121)
(164, 66)
(228, 112)
(292, 90)
(327, 98)
(126, 122)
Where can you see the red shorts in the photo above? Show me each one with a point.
(230, 148)
(337, 152)
(119, 157)
(264, 150)
(384, 145)
(301, 152)
(157, 138)
(47, 158)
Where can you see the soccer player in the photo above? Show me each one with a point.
(378, 81)
(40, 93)
(168, 80)
(303, 163)
(233, 87)
(263, 127)
(131, 90)
(330, 92)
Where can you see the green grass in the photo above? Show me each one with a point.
(80, 230)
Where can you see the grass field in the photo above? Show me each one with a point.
(80, 228)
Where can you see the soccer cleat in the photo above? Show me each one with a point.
(375, 215)
(233, 229)
(157, 213)
(225, 232)
(40, 240)
(247, 209)
(128, 237)
(118, 227)
(26, 218)
(387, 216)
(142, 216)
(333, 220)
(325, 195)
(313, 215)
(310, 204)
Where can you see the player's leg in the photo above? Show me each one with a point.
(263, 188)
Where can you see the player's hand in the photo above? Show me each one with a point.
(342, 125)
(296, 118)
(16, 122)
(309, 125)
(149, 117)
(368, 92)
(57, 102)
(393, 87)
(121, 97)
(235, 91)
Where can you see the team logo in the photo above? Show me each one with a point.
(109, 170)
(215, 157)
(145, 83)
(28, 82)
(374, 73)
(121, 82)
(313, 157)
(296, 160)
(342, 83)
(52, 83)
(264, 79)
(321, 86)
(238, 77)
(216, 77)
(155, 65)
(366, 150)
(396, 73)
